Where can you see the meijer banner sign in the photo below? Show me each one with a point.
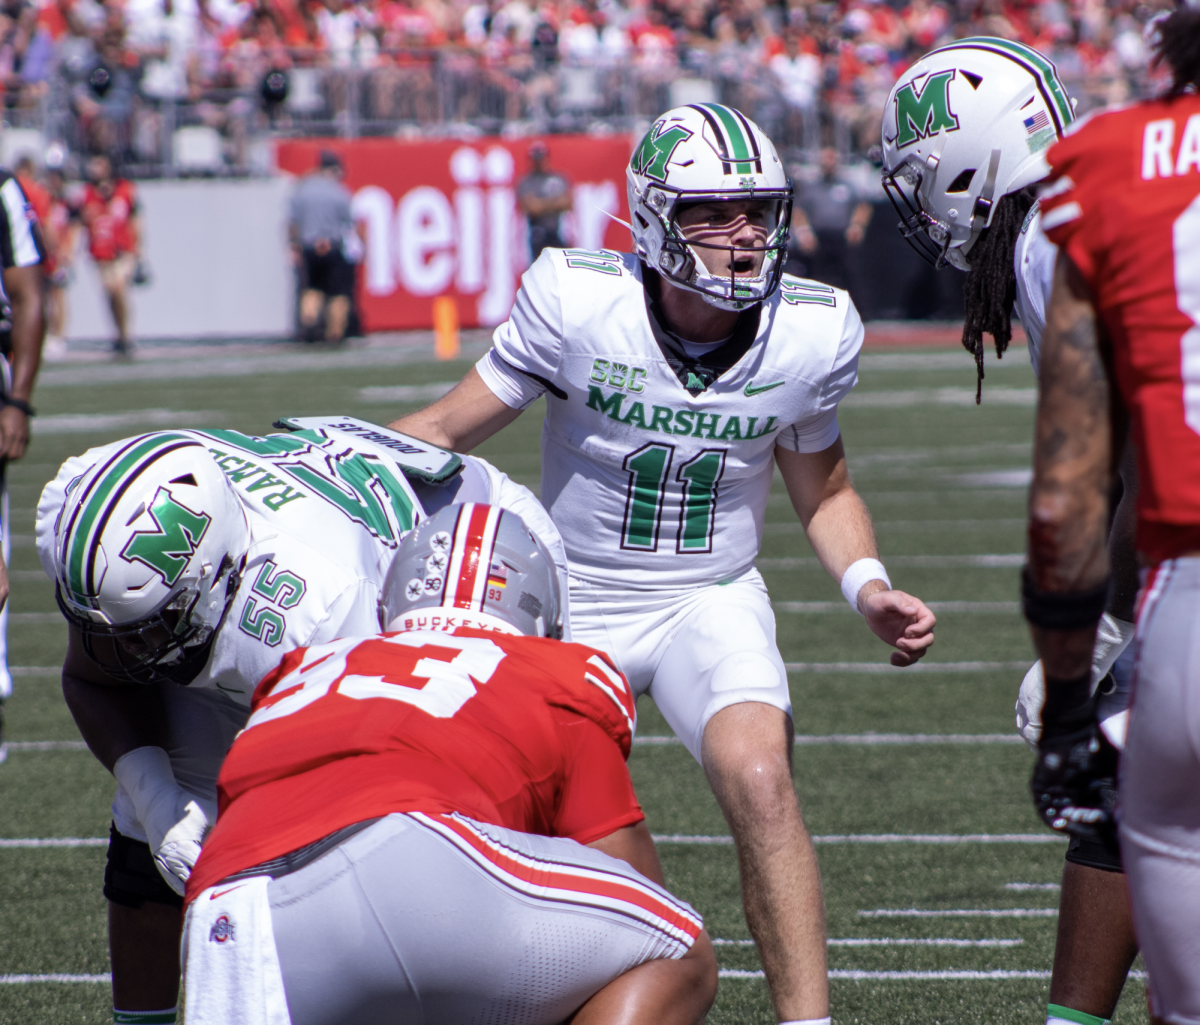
(440, 217)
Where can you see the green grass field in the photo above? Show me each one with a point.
(945, 482)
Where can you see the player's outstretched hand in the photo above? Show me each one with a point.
(903, 621)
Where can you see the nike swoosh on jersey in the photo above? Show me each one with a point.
(214, 896)
(752, 390)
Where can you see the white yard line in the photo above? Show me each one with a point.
(46, 745)
(406, 392)
(961, 913)
(880, 838)
(58, 841)
(924, 666)
(35, 670)
(827, 607)
(1048, 887)
(1014, 359)
(943, 976)
(17, 980)
(41, 617)
(867, 739)
(94, 423)
(907, 397)
(891, 942)
(1004, 561)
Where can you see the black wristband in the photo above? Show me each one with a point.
(1059, 610)
(1068, 702)
(20, 404)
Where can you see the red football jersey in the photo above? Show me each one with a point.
(523, 732)
(1124, 203)
(107, 221)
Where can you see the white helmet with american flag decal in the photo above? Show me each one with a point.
(477, 563)
(148, 550)
(965, 125)
(703, 153)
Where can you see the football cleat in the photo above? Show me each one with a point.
(481, 561)
(704, 153)
(965, 125)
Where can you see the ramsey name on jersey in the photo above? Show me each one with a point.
(655, 465)
(326, 514)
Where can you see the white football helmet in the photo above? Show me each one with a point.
(148, 551)
(478, 563)
(965, 125)
(702, 153)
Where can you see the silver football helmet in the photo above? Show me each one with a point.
(479, 561)
(965, 125)
(148, 550)
(704, 153)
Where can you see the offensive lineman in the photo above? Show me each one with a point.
(426, 825)
(964, 142)
(1122, 343)
(186, 563)
(677, 378)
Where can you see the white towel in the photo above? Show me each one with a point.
(231, 973)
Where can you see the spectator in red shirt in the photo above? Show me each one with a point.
(110, 214)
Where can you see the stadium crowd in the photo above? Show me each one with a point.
(121, 77)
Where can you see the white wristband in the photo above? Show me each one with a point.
(857, 575)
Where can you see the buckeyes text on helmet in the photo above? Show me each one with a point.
(473, 565)
(965, 125)
(148, 550)
(704, 153)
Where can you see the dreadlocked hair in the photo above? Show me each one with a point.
(1179, 48)
(991, 286)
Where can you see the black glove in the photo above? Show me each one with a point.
(1074, 781)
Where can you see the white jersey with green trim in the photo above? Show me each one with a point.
(656, 466)
(326, 514)
(1033, 264)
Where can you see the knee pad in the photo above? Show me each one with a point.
(130, 875)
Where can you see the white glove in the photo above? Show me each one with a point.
(1112, 638)
(175, 820)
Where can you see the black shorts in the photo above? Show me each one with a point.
(330, 273)
(131, 877)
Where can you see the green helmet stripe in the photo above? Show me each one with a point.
(110, 484)
(741, 149)
(1037, 65)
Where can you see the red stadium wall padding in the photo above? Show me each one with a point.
(440, 217)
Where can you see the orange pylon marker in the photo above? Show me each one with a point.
(446, 343)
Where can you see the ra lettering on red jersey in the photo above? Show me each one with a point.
(1123, 202)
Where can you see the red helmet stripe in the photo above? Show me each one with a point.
(474, 539)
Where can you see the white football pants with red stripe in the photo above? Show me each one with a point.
(1159, 807)
(443, 920)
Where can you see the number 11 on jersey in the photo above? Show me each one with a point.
(649, 468)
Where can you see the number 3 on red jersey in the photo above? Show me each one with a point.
(436, 685)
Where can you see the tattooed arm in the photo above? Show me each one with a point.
(1073, 466)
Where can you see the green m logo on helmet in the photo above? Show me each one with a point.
(168, 549)
(656, 148)
(925, 113)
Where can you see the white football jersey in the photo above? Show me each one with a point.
(1033, 263)
(655, 465)
(326, 514)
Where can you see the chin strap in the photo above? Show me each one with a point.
(983, 205)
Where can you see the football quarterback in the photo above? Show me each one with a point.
(965, 135)
(186, 563)
(676, 378)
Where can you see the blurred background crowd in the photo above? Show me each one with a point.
(200, 86)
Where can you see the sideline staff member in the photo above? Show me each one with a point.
(320, 225)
